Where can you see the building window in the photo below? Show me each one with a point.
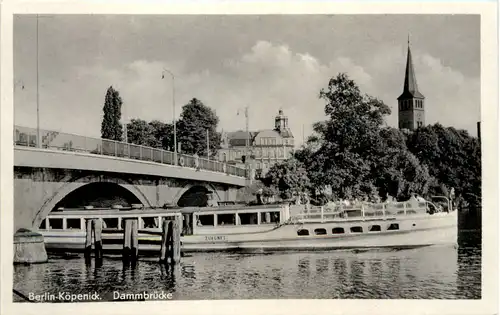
(224, 157)
(258, 165)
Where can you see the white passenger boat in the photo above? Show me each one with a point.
(266, 227)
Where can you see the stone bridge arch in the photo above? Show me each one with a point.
(78, 182)
(190, 186)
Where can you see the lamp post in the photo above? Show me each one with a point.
(38, 139)
(124, 126)
(208, 146)
(173, 109)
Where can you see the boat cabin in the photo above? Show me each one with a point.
(112, 219)
(233, 219)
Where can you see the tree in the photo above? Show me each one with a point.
(142, 133)
(196, 119)
(111, 127)
(289, 178)
(164, 134)
(400, 173)
(452, 156)
(341, 153)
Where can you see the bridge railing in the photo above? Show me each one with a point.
(53, 140)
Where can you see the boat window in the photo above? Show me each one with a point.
(356, 229)
(393, 226)
(302, 232)
(225, 219)
(338, 230)
(270, 217)
(374, 228)
(110, 223)
(73, 224)
(205, 219)
(150, 222)
(320, 231)
(247, 218)
(43, 225)
(411, 212)
(56, 224)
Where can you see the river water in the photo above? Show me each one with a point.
(423, 273)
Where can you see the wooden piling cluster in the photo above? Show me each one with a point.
(93, 227)
(170, 250)
(130, 240)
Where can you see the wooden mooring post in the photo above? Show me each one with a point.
(130, 240)
(170, 251)
(93, 227)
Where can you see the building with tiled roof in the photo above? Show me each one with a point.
(265, 147)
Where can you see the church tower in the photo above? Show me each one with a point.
(281, 125)
(280, 121)
(411, 103)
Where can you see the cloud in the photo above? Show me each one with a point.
(266, 78)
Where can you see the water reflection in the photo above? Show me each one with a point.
(431, 273)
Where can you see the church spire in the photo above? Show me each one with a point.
(411, 101)
(410, 88)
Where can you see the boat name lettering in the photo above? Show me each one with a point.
(215, 238)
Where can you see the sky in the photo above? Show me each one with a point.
(266, 62)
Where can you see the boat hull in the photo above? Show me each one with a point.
(417, 231)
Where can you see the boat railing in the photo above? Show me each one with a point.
(359, 211)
